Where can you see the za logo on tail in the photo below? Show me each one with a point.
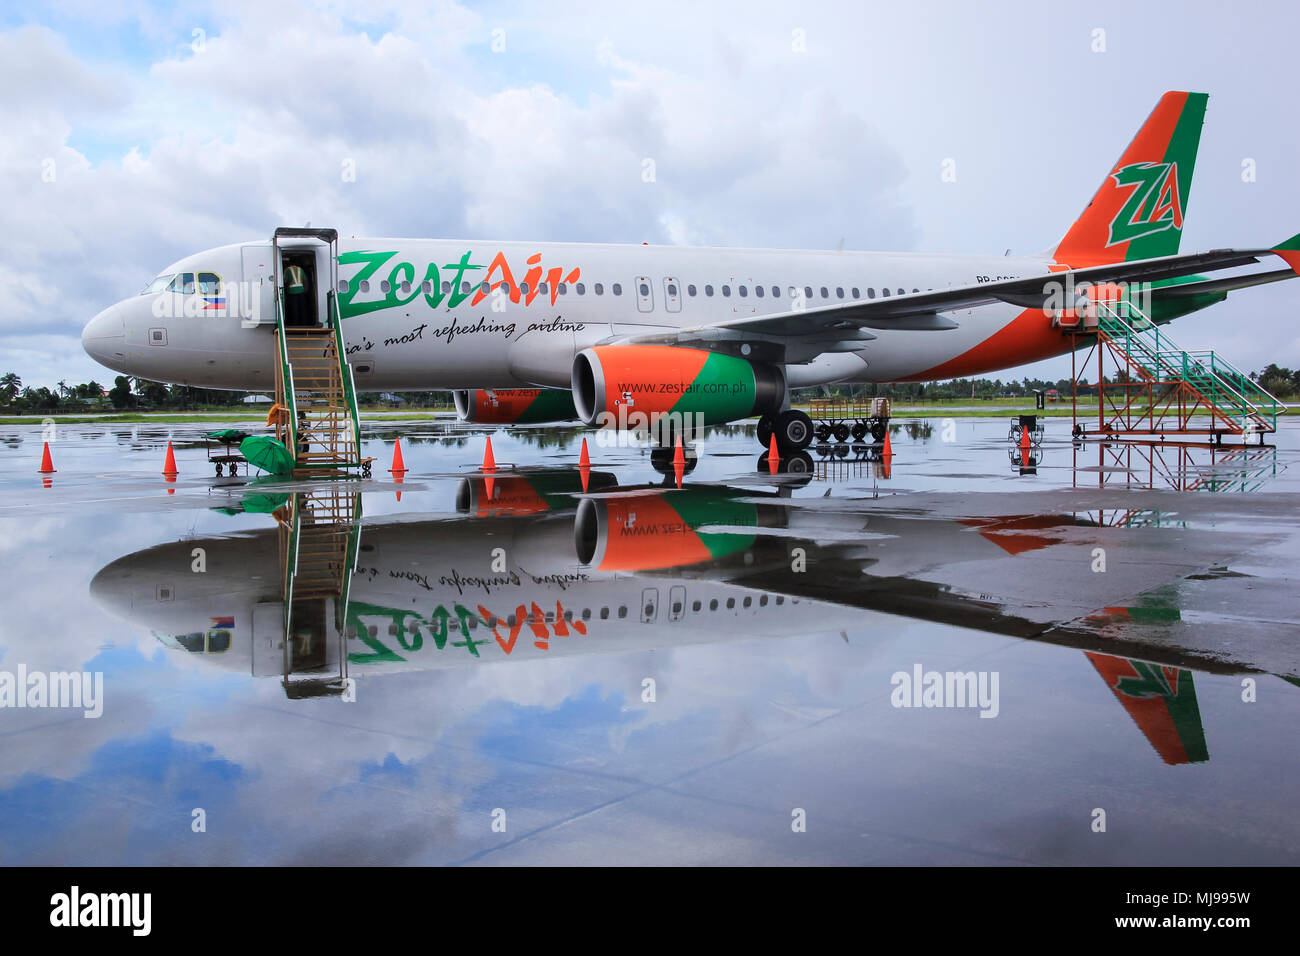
(1153, 206)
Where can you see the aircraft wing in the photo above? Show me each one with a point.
(921, 310)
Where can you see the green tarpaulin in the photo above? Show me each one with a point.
(231, 436)
(267, 454)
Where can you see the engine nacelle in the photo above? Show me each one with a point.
(514, 406)
(615, 385)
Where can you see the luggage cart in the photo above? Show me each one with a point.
(843, 418)
(224, 454)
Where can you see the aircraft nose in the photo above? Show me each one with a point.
(104, 337)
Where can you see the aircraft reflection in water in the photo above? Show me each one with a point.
(324, 598)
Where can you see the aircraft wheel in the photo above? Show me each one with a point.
(766, 424)
(794, 430)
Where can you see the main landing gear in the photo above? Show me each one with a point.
(793, 430)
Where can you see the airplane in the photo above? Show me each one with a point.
(598, 333)
(625, 568)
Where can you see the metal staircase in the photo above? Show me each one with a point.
(1160, 388)
(314, 383)
(319, 542)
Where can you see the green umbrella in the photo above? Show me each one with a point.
(264, 503)
(230, 436)
(268, 454)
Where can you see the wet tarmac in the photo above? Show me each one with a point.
(962, 653)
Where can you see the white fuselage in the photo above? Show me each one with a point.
(409, 323)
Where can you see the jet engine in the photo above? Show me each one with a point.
(634, 386)
(514, 406)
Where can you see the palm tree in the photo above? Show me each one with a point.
(10, 385)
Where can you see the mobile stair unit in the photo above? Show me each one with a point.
(313, 381)
(1157, 390)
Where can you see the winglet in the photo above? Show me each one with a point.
(1290, 251)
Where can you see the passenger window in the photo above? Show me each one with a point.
(582, 288)
(644, 289)
(604, 614)
(871, 293)
(446, 287)
(384, 286)
(622, 611)
(343, 285)
(825, 293)
(776, 292)
(726, 292)
(405, 287)
(364, 285)
(854, 290)
(807, 292)
(598, 288)
(690, 290)
(743, 292)
(731, 604)
(708, 290)
(695, 605)
(564, 289)
(839, 292)
(616, 288)
(748, 601)
(758, 291)
(426, 286)
(523, 287)
(541, 288)
(672, 288)
(902, 292)
(884, 293)
(713, 605)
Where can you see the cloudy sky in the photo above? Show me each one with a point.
(136, 133)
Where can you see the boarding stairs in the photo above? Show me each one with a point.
(1162, 387)
(313, 382)
(319, 544)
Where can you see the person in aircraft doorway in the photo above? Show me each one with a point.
(297, 298)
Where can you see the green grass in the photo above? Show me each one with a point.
(172, 418)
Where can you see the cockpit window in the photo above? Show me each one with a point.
(183, 283)
(191, 642)
(209, 283)
(158, 284)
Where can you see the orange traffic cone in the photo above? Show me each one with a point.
(679, 462)
(489, 460)
(1024, 437)
(399, 466)
(47, 464)
(772, 454)
(888, 450)
(169, 463)
(584, 466)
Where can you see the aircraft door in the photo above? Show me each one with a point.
(645, 298)
(268, 639)
(649, 605)
(672, 294)
(258, 297)
(676, 602)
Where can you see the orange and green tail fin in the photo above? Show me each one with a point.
(1138, 211)
(1290, 251)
